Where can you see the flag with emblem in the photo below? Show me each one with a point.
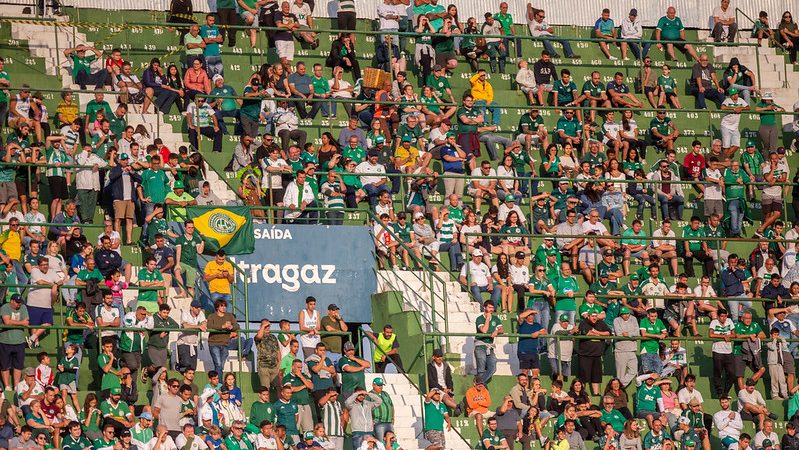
(228, 228)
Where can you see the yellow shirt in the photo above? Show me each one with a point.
(481, 91)
(218, 285)
(403, 153)
(11, 243)
(68, 111)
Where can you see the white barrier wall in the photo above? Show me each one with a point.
(694, 14)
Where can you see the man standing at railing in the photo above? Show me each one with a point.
(484, 351)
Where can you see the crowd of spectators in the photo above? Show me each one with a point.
(596, 158)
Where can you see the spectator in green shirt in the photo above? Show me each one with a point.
(768, 132)
(81, 67)
(671, 33)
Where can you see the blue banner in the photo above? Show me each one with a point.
(335, 264)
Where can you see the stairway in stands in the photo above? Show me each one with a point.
(46, 43)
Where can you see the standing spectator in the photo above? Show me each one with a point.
(268, 356)
(12, 340)
(222, 328)
(132, 341)
(735, 182)
(87, 181)
(322, 371)
(704, 83)
(157, 343)
(345, 20)
(361, 405)
(527, 349)
(333, 322)
(484, 352)
(723, 360)
(625, 351)
(496, 48)
(632, 31)
(40, 301)
(730, 134)
(188, 340)
(671, 33)
(284, 38)
(386, 349)
(591, 350)
(193, 51)
(724, 25)
(508, 29)
(768, 131)
(384, 414)
(212, 38)
(352, 370)
(122, 179)
(219, 274)
(439, 376)
(435, 415)
(298, 414)
(540, 28)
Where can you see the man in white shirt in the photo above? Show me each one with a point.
(373, 176)
(775, 170)
(728, 422)
(128, 83)
(298, 197)
(390, 13)
(723, 360)
(595, 225)
(187, 440)
(539, 27)
(507, 206)
(665, 249)
(479, 279)
(724, 25)
(484, 185)
(162, 440)
(87, 181)
(193, 321)
(729, 126)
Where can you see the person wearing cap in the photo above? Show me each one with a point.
(407, 159)
(509, 204)
(730, 122)
(352, 370)
(479, 278)
(142, 432)
(115, 411)
(384, 414)
(12, 341)
(439, 376)
(768, 130)
(307, 442)
(632, 31)
(478, 401)
(333, 322)
(560, 351)
(766, 438)
(123, 180)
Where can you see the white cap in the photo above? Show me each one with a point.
(477, 252)
(768, 95)
(206, 414)
(217, 77)
(417, 215)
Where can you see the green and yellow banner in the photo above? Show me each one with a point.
(228, 228)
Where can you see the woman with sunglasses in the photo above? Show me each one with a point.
(789, 35)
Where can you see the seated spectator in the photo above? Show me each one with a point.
(741, 78)
(196, 81)
(157, 89)
(483, 94)
(671, 32)
(81, 66)
(667, 87)
(604, 28)
(495, 47)
(724, 24)
(620, 94)
(704, 84)
(223, 107)
(342, 54)
(130, 85)
(632, 31)
(540, 28)
(753, 407)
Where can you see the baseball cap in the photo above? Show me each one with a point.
(519, 255)
(750, 143)
(732, 91)
(116, 391)
(373, 152)
(477, 252)
(563, 318)
(418, 215)
(768, 95)
(635, 277)
(510, 198)
(438, 353)
(307, 435)
(683, 420)
(16, 298)
(378, 381)
(348, 346)
(217, 77)
(634, 12)
(780, 150)
(478, 380)
(767, 443)
(607, 252)
(207, 414)
(750, 382)
(123, 156)
(332, 307)
(224, 390)
(690, 443)
(29, 372)
(146, 416)
(178, 185)
(407, 138)
(196, 304)
(125, 433)
(563, 182)
(624, 310)
(380, 140)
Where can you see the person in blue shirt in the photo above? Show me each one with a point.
(527, 349)
(604, 28)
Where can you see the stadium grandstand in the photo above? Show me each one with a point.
(399, 224)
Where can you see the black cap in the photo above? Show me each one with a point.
(373, 152)
(125, 433)
(16, 298)
(438, 353)
(332, 307)
(224, 390)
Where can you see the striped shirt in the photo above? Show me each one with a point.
(55, 156)
(332, 201)
(331, 417)
(385, 412)
(346, 6)
(71, 138)
(447, 231)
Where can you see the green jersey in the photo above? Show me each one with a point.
(565, 91)
(82, 63)
(667, 84)
(735, 190)
(14, 336)
(155, 185)
(614, 418)
(260, 411)
(440, 85)
(529, 124)
(586, 309)
(694, 245)
(569, 127)
(287, 415)
(494, 439)
(651, 345)
(647, 397)
(594, 90)
(661, 126)
(493, 324)
(670, 29)
(564, 286)
(109, 380)
(741, 329)
(300, 397)
(3, 92)
(434, 416)
(350, 380)
(188, 248)
(469, 113)
(753, 162)
(70, 372)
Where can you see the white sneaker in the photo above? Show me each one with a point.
(613, 58)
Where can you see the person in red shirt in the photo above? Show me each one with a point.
(113, 64)
(693, 165)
